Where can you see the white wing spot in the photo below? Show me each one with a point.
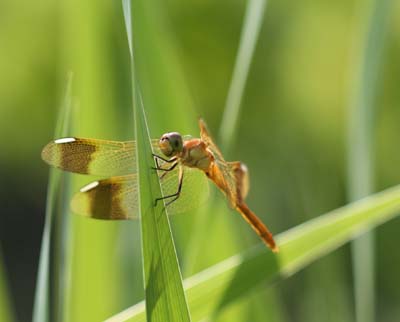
(90, 186)
(64, 140)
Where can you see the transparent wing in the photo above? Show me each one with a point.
(116, 198)
(187, 137)
(93, 156)
(225, 176)
(195, 190)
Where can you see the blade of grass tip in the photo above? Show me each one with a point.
(6, 309)
(251, 28)
(44, 308)
(216, 287)
(360, 146)
(126, 5)
(164, 295)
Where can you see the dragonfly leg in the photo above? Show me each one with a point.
(165, 169)
(168, 170)
(175, 195)
(163, 159)
(158, 166)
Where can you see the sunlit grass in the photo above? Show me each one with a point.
(213, 289)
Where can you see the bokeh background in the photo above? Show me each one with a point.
(292, 132)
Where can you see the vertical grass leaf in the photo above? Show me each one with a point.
(360, 146)
(164, 295)
(251, 28)
(46, 302)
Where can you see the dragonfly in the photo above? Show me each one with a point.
(184, 164)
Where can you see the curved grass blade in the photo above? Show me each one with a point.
(164, 294)
(214, 288)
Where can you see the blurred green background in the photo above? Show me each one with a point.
(291, 134)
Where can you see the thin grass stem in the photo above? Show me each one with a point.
(368, 62)
(251, 28)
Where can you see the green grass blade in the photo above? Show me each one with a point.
(163, 84)
(164, 295)
(45, 305)
(214, 288)
(250, 31)
(360, 147)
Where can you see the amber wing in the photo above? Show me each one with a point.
(116, 197)
(91, 156)
(226, 169)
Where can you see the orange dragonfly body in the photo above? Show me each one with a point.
(116, 197)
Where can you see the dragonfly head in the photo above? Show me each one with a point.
(171, 144)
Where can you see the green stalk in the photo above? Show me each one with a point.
(361, 147)
(251, 28)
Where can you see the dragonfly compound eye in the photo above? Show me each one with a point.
(175, 140)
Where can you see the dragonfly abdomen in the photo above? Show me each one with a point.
(258, 226)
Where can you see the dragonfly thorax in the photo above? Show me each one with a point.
(196, 155)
